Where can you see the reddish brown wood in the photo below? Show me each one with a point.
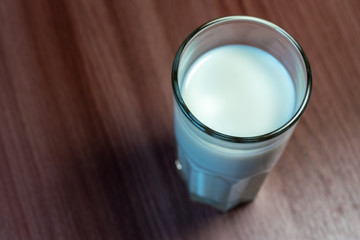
(86, 138)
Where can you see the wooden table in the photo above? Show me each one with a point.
(87, 145)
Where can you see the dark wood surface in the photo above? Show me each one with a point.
(86, 138)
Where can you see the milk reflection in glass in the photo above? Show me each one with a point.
(241, 91)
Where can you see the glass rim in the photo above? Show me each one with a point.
(222, 136)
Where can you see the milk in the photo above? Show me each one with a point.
(239, 90)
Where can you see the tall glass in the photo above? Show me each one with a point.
(219, 169)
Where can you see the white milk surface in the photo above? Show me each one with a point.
(239, 90)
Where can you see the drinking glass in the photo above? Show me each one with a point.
(219, 169)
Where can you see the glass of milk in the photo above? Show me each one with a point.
(240, 85)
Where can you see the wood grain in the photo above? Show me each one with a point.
(86, 136)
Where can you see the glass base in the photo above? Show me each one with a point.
(217, 191)
(222, 206)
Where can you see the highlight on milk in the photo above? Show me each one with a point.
(240, 85)
(239, 90)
